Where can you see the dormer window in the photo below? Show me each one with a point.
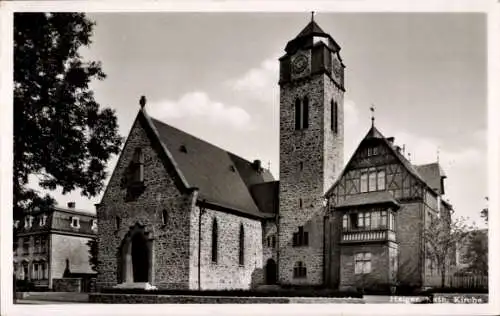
(28, 221)
(75, 222)
(43, 220)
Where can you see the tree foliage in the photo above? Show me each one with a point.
(484, 211)
(476, 252)
(93, 259)
(441, 236)
(61, 135)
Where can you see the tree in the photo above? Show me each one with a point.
(93, 259)
(476, 252)
(484, 212)
(61, 135)
(441, 237)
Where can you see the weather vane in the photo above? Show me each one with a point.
(372, 109)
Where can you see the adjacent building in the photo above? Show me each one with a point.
(181, 213)
(52, 244)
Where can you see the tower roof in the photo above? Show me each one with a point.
(305, 38)
(311, 29)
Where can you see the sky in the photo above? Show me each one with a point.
(215, 75)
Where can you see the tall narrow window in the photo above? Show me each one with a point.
(375, 219)
(344, 222)
(242, 246)
(164, 217)
(381, 180)
(118, 222)
(334, 118)
(372, 181)
(138, 173)
(298, 116)
(300, 203)
(383, 219)
(305, 111)
(214, 240)
(364, 181)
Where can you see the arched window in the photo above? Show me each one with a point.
(164, 217)
(299, 270)
(214, 240)
(298, 114)
(305, 113)
(334, 116)
(242, 246)
(302, 113)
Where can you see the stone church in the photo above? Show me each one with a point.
(181, 213)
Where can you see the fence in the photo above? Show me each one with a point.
(472, 281)
(468, 281)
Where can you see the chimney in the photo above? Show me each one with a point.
(398, 149)
(390, 140)
(257, 165)
(71, 205)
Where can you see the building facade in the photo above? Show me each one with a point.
(52, 244)
(181, 213)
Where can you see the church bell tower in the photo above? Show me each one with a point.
(311, 150)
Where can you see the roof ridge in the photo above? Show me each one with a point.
(198, 138)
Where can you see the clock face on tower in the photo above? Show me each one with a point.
(299, 64)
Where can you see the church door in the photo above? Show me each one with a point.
(270, 272)
(140, 264)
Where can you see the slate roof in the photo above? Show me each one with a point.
(304, 38)
(222, 178)
(59, 219)
(311, 29)
(432, 174)
(266, 195)
(369, 198)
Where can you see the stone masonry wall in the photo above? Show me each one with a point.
(226, 273)
(318, 153)
(408, 235)
(171, 241)
(379, 266)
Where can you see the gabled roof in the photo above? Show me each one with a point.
(374, 133)
(432, 174)
(222, 178)
(369, 198)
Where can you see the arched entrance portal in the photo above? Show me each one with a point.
(140, 260)
(271, 272)
(135, 256)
